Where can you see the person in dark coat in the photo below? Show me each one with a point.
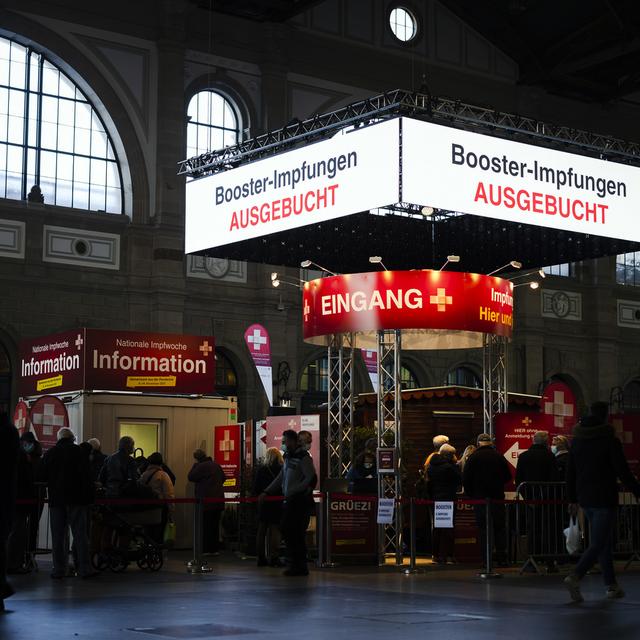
(536, 468)
(120, 471)
(444, 481)
(485, 476)
(65, 469)
(33, 451)
(96, 458)
(560, 449)
(208, 477)
(9, 450)
(268, 537)
(596, 463)
(363, 475)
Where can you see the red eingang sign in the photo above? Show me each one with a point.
(434, 309)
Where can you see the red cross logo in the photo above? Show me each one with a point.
(306, 310)
(559, 409)
(256, 340)
(441, 299)
(79, 342)
(227, 446)
(206, 348)
(527, 422)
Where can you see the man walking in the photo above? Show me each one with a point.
(485, 475)
(65, 469)
(596, 462)
(296, 482)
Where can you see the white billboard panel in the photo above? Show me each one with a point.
(447, 168)
(353, 171)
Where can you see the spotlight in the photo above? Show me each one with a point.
(452, 259)
(514, 263)
(275, 283)
(305, 264)
(274, 275)
(426, 211)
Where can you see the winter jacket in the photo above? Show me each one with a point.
(562, 462)
(297, 477)
(119, 471)
(96, 462)
(596, 462)
(444, 479)
(65, 469)
(485, 474)
(160, 482)
(208, 478)
(537, 464)
(269, 512)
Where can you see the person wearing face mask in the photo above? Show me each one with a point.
(296, 482)
(560, 449)
(363, 474)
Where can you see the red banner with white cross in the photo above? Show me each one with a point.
(227, 451)
(421, 299)
(259, 345)
(560, 408)
(48, 415)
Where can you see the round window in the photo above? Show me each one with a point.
(403, 24)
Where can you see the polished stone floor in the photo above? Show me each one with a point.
(238, 600)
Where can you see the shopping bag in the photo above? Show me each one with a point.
(169, 537)
(573, 536)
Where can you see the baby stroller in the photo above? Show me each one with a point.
(121, 537)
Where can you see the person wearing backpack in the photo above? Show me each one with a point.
(158, 480)
(120, 473)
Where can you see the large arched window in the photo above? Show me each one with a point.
(51, 136)
(631, 396)
(226, 377)
(463, 377)
(408, 379)
(315, 376)
(212, 123)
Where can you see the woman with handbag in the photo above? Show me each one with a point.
(160, 483)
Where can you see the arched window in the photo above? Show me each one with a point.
(631, 396)
(212, 123)
(315, 376)
(463, 377)
(51, 136)
(408, 379)
(5, 380)
(226, 377)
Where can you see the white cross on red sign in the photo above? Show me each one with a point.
(227, 445)
(559, 409)
(79, 342)
(306, 310)
(441, 299)
(256, 340)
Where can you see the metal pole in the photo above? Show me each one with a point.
(198, 565)
(488, 573)
(320, 529)
(412, 529)
(328, 563)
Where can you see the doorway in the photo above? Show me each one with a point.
(145, 433)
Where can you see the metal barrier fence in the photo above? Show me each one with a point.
(536, 518)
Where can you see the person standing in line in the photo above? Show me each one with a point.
(444, 483)
(438, 441)
(269, 513)
(485, 476)
(208, 478)
(9, 450)
(465, 456)
(119, 472)
(160, 483)
(560, 449)
(96, 458)
(296, 482)
(596, 462)
(65, 469)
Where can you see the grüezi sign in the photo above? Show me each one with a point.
(323, 181)
(92, 359)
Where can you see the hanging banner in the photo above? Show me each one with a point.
(354, 171)
(276, 425)
(98, 359)
(627, 427)
(259, 345)
(48, 415)
(370, 357)
(21, 418)
(227, 451)
(447, 168)
(560, 407)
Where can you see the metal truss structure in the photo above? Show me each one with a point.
(420, 105)
(494, 379)
(340, 439)
(389, 435)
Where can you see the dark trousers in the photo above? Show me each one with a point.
(295, 522)
(498, 529)
(3, 569)
(601, 523)
(211, 530)
(443, 543)
(72, 517)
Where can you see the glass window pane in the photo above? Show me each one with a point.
(34, 72)
(97, 198)
(66, 112)
(82, 141)
(48, 188)
(81, 170)
(48, 135)
(64, 193)
(65, 139)
(192, 109)
(98, 173)
(5, 48)
(48, 164)
(65, 167)
(114, 200)
(4, 72)
(16, 103)
(17, 72)
(113, 179)
(80, 195)
(50, 76)
(67, 88)
(16, 130)
(14, 185)
(83, 115)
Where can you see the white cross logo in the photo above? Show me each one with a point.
(227, 446)
(292, 424)
(306, 310)
(626, 437)
(79, 342)
(558, 409)
(48, 419)
(206, 348)
(257, 340)
(441, 299)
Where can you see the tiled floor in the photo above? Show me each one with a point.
(238, 600)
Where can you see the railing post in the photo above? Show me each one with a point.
(320, 529)
(328, 562)
(198, 565)
(412, 532)
(488, 573)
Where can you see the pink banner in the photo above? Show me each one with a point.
(276, 425)
(370, 357)
(259, 345)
